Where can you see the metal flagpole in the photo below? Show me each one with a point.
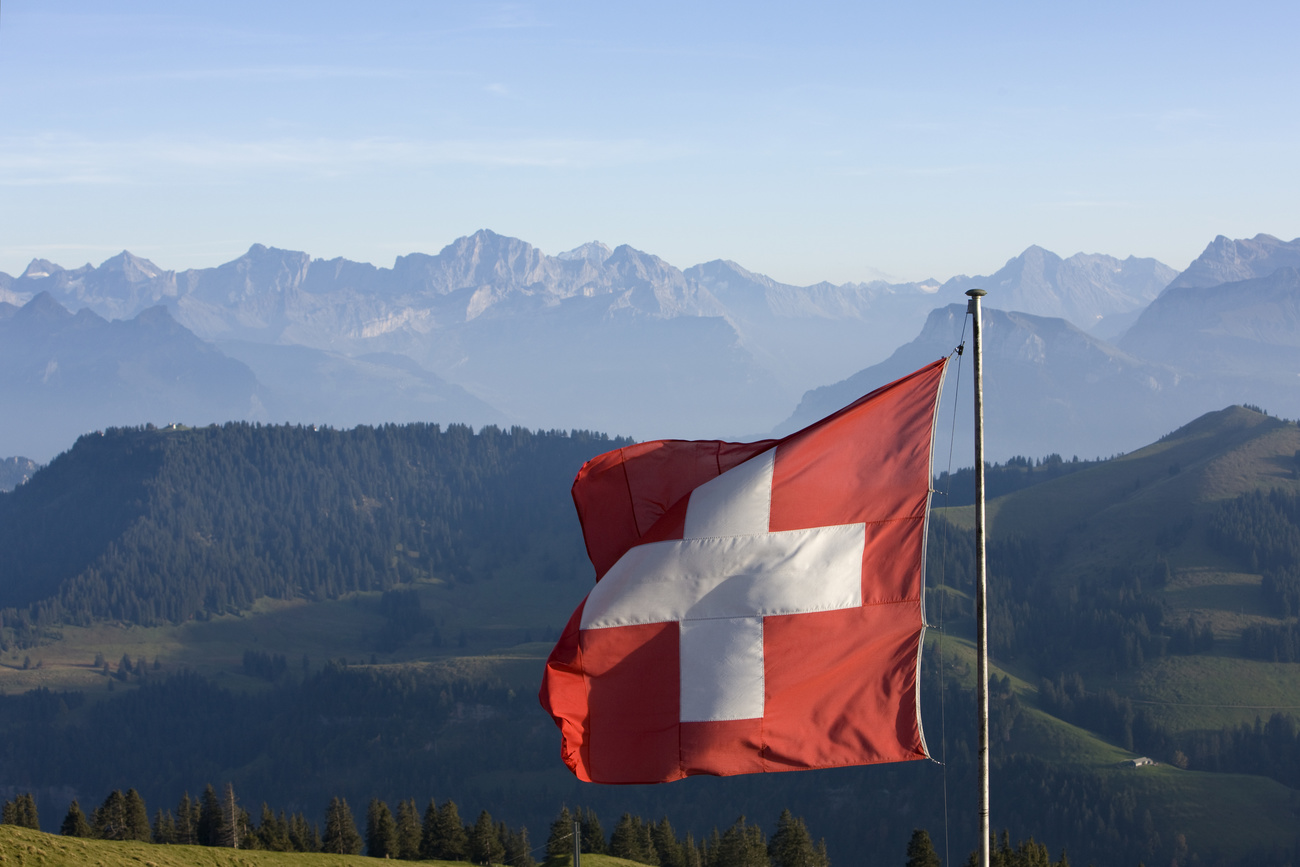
(981, 608)
(577, 842)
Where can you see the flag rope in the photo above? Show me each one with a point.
(943, 598)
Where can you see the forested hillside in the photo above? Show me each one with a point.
(366, 613)
(149, 526)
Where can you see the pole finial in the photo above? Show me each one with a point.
(976, 293)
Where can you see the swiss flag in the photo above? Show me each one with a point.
(758, 606)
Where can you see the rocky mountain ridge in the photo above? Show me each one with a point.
(1194, 349)
(1226, 260)
(713, 350)
(268, 288)
(493, 329)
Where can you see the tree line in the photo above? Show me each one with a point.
(438, 833)
(1269, 748)
(1261, 531)
(1019, 472)
(1026, 853)
(657, 844)
(1054, 624)
(178, 524)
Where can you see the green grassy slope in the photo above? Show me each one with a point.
(1157, 502)
(1144, 500)
(21, 847)
(25, 848)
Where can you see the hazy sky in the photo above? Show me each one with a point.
(841, 141)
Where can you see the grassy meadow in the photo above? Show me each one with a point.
(21, 847)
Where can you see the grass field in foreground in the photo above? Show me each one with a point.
(21, 847)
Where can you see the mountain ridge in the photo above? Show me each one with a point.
(66, 373)
(1227, 260)
(713, 350)
(1046, 381)
(619, 339)
(485, 258)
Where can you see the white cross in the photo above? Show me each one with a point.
(720, 581)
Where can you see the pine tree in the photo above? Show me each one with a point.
(429, 838)
(273, 831)
(187, 821)
(109, 820)
(164, 827)
(742, 845)
(625, 842)
(381, 830)
(518, 851)
(632, 839)
(303, 836)
(920, 851)
(408, 830)
(593, 835)
(560, 842)
(247, 835)
(666, 847)
(27, 812)
(485, 842)
(21, 811)
(210, 829)
(234, 818)
(645, 843)
(136, 816)
(451, 840)
(75, 824)
(691, 853)
(341, 837)
(709, 847)
(791, 846)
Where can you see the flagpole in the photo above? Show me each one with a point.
(981, 608)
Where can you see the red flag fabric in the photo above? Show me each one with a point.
(758, 606)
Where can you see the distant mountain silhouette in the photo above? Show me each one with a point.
(1047, 385)
(1230, 261)
(67, 373)
(1096, 293)
(611, 339)
(63, 374)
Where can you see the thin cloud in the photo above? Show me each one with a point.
(274, 73)
(509, 16)
(913, 171)
(1090, 204)
(67, 160)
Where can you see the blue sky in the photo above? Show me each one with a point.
(841, 141)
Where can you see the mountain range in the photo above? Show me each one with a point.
(1048, 383)
(493, 330)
